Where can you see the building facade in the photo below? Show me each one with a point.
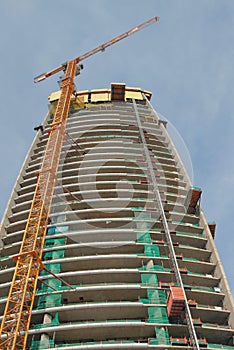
(134, 260)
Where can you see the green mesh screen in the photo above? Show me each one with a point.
(49, 300)
(55, 268)
(57, 229)
(143, 225)
(54, 242)
(149, 279)
(55, 320)
(162, 335)
(4, 258)
(141, 217)
(157, 296)
(53, 282)
(152, 250)
(220, 346)
(152, 268)
(55, 254)
(42, 344)
(157, 314)
(144, 237)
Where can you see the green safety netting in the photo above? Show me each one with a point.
(157, 314)
(55, 320)
(42, 344)
(53, 282)
(155, 341)
(153, 268)
(220, 346)
(141, 213)
(152, 250)
(143, 224)
(217, 346)
(146, 301)
(54, 242)
(4, 258)
(179, 341)
(54, 254)
(144, 237)
(143, 218)
(149, 279)
(57, 229)
(162, 337)
(59, 218)
(190, 234)
(55, 268)
(195, 273)
(155, 296)
(190, 259)
(49, 300)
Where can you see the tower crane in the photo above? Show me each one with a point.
(17, 315)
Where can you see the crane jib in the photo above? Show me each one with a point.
(99, 48)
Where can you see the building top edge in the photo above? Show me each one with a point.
(118, 92)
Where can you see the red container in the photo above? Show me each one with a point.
(175, 302)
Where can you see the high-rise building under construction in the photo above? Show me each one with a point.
(130, 259)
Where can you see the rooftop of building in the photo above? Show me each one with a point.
(118, 92)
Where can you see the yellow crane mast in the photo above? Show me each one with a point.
(17, 315)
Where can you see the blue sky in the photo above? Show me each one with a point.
(186, 60)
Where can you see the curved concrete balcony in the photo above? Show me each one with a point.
(191, 239)
(207, 296)
(91, 330)
(212, 334)
(11, 238)
(27, 189)
(35, 161)
(85, 312)
(41, 144)
(16, 226)
(192, 252)
(99, 293)
(89, 262)
(31, 169)
(19, 207)
(31, 181)
(11, 249)
(16, 217)
(213, 315)
(38, 154)
(22, 198)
